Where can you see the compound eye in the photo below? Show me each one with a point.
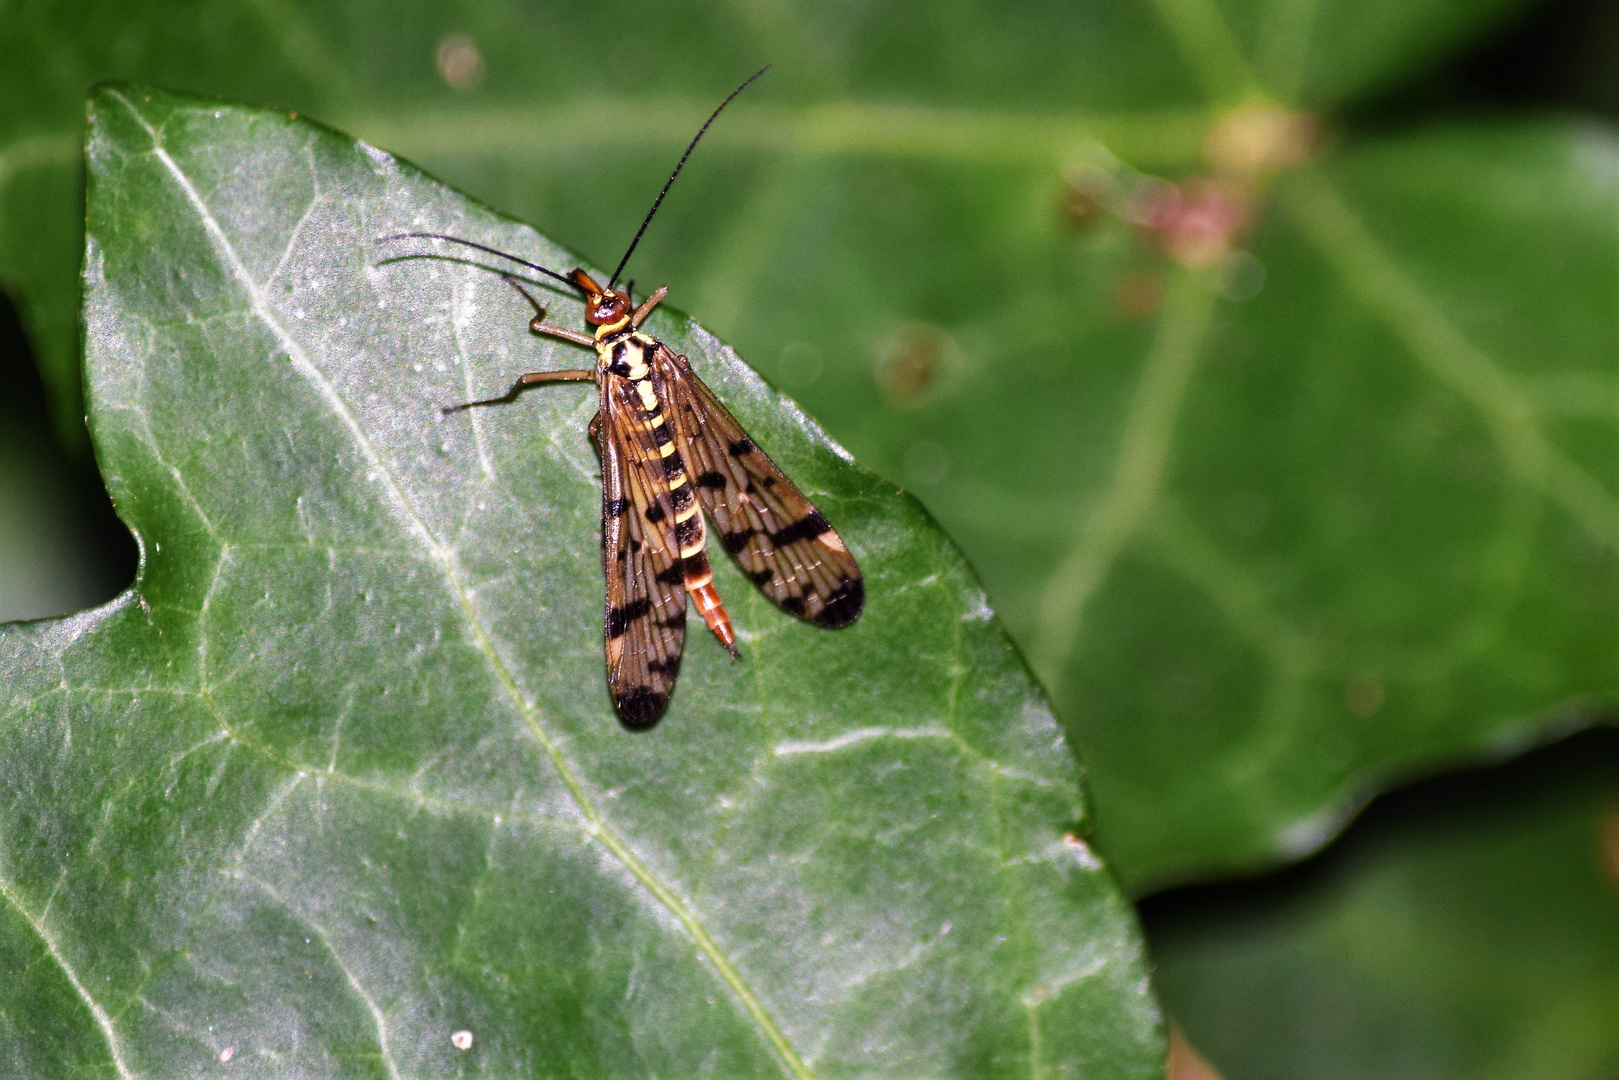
(610, 309)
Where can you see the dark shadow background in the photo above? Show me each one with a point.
(1561, 54)
(1290, 977)
(62, 548)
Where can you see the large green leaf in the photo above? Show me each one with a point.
(1468, 929)
(1271, 555)
(339, 776)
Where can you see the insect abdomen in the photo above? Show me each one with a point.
(700, 586)
(691, 536)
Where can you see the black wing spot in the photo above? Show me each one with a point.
(713, 481)
(769, 481)
(844, 605)
(762, 578)
(616, 507)
(664, 667)
(737, 540)
(741, 447)
(619, 618)
(793, 605)
(674, 574)
(640, 706)
(654, 513)
(622, 554)
(808, 527)
(675, 621)
(635, 545)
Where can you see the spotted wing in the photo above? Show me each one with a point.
(775, 534)
(646, 595)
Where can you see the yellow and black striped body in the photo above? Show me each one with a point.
(671, 452)
(656, 520)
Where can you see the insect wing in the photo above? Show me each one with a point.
(646, 595)
(775, 534)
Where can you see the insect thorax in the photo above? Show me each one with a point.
(626, 354)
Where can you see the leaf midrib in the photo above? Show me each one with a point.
(596, 826)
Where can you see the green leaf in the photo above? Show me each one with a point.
(339, 777)
(1325, 53)
(1384, 533)
(1468, 929)
(1269, 556)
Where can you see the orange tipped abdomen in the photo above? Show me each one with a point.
(708, 602)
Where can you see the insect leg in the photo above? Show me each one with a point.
(538, 324)
(594, 431)
(533, 378)
(646, 309)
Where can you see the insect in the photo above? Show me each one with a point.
(671, 452)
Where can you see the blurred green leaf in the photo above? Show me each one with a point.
(1382, 529)
(560, 99)
(1270, 555)
(1468, 929)
(1324, 53)
(340, 778)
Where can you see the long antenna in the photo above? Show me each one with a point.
(670, 182)
(488, 250)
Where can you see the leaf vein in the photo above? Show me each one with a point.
(1138, 473)
(97, 1013)
(378, 1017)
(1393, 297)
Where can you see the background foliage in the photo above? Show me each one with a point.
(1275, 534)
